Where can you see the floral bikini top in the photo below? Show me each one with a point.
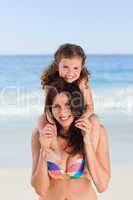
(75, 170)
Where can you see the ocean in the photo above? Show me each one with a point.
(22, 101)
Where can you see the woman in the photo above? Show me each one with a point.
(83, 158)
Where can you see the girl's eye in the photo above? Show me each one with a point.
(76, 68)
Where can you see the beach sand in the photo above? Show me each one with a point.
(15, 184)
(120, 186)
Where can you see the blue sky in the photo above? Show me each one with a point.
(39, 27)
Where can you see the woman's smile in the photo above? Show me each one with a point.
(66, 119)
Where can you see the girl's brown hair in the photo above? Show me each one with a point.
(64, 51)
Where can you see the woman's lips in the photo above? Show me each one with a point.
(64, 118)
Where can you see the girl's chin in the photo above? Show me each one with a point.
(69, 81)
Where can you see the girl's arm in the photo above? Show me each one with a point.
(86, 90)
(39, 179)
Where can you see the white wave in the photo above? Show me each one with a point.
(32, 103)
(114, 98)
(18, 102)
(111, 77)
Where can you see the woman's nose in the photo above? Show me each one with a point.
(63, 111)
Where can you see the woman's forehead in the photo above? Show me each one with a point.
(61, 98)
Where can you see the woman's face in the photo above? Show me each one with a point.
(61, 110)
(70, 68)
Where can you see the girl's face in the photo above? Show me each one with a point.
(62, 111)
(70, 68)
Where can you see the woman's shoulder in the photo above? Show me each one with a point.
(35, 138)
(42, 118)
(35, 132)
(41, 122)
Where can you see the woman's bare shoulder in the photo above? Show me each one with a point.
(35, 138)
(35, 133)
(42, 118)
(41, 122)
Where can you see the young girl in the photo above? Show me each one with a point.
(69, 63)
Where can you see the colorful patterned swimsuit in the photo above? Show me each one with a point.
(75, 170)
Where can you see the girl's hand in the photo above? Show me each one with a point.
(84, 124)
(83, 84)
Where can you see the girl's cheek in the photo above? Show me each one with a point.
(62, 73)
(78, 74)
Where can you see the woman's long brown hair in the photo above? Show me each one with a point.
(76, 101)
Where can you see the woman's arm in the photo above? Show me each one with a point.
(39, 179)
(98, 161)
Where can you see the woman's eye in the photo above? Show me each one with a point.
(76, 68)
(56, 107)
(68, 105)
(65, 66)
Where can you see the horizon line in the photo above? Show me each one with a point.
(50, 54)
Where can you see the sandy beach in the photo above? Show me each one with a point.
(15, 184)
